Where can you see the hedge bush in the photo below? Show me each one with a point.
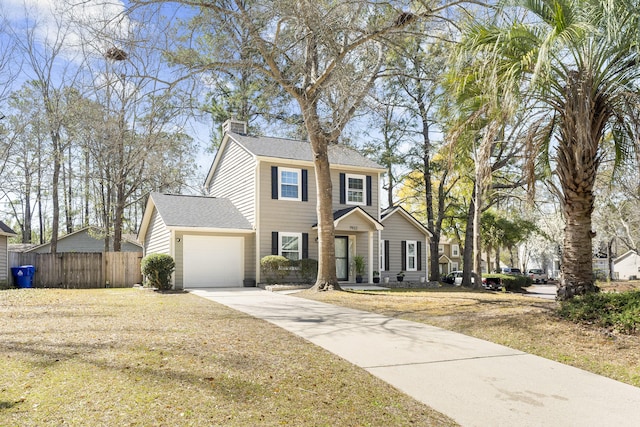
(157, 270)
(275, 268)
(509, 282)
(307, 270)
(618, 311)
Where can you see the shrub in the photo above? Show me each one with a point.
(358, 262)
(618, 311)
(509, 282)
(307, 270)
(275, 268)
(157, 269)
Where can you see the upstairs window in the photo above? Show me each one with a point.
(289, 184)
(455, 250)
(441, 249)
(356, 190)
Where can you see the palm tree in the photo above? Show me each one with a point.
(579, 62)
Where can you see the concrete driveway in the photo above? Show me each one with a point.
(547, 291)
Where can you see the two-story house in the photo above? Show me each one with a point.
(262, 201)
(449, 256)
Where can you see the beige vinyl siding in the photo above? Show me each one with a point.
(249, 251)
(157, 239)
(299, 217)
(4, 263)
(286, 215)
(372, 210)
(397, 229)
(234, 179)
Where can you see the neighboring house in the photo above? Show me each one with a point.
(87, 239)
(627, 266)
(261, 200)
(404, 245)
(449, 256)
(5, 233)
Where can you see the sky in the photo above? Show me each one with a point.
(50, 18)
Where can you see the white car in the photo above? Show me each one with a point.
(455, 278)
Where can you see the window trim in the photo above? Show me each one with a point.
(363, 178)
(408, 256)
(440, 249)
(383, 266)
(287, 234)
(299, 183)
(455, 253)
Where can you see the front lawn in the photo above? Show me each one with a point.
(116, 357)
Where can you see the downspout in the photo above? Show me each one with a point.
(370, 263)
(172, 252)
(257, 222)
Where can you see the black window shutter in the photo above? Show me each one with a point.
(305, 245)
(386, 255)
(403, 254)
(419, 254)
(274, 243)
(343, 188)
(369, 197)
(305, 192)
(274, 182)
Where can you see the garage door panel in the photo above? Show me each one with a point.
(213, 261)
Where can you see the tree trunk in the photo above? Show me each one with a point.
(467, 257)
(582, 122)
(326, 279)
(477, 248)
(54, 192)
(577, 264)
(118, 217)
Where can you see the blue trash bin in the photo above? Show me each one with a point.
(23, 275)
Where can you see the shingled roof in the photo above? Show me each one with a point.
(199, 211)
(5, 230)
(282, 148)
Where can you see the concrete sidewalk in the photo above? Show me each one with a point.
(475, 382)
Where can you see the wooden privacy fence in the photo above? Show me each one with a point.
(75, 270)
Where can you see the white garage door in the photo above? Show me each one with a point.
(212, 261)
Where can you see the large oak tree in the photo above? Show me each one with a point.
(326, 55)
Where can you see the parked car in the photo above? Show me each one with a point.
(492, 283)
(537, 275)
(455, 278)
(511, 270)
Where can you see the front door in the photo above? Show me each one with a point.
(342, 258)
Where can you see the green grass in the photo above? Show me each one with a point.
(139, 358)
